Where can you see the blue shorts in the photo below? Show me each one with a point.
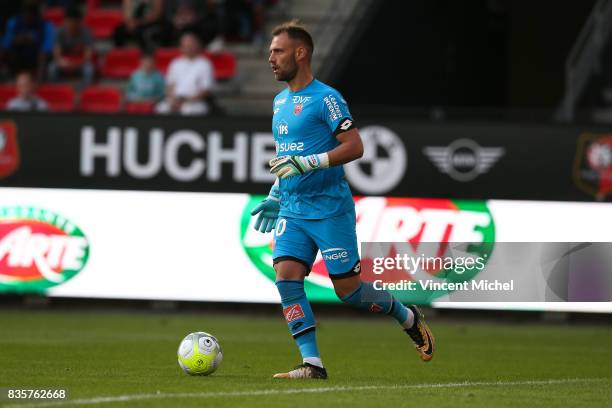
(300, 239)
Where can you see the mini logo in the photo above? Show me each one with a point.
(9, 148)
(293, 312)
(593, 165)
(38, 249)
(463, 160)
(297, 109)
(384, 162)
(280, 101)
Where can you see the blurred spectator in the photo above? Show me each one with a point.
(244, 19)
(60, 3)
(73, 50)
(28, 40)
(143, 23)
(26, 99)
(146, 84)
(190, 16)
(189, 81)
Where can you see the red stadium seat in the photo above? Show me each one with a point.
(224, 64)
(120, 63)
(55, 15)
(140, 107)
(61, 98)
(102, 22)
(101, 99)
(164, 56)
(7, 92)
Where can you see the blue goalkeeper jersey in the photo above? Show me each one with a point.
(307, 122)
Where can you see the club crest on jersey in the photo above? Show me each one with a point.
(297, 109)
(293, 312)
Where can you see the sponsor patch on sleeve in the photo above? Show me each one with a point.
(344, 125)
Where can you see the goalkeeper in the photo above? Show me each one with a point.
(310, 206)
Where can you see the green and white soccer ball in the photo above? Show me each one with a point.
(199, 354)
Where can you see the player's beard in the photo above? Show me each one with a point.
(288, 74)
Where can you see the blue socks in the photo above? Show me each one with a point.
(365, 297)
(300, 319)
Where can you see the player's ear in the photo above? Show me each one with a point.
(300, 53)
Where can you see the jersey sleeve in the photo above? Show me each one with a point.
(336, 113)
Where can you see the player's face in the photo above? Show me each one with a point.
(282, 58)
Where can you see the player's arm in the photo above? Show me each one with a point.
(349, 149)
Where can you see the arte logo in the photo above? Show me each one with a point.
(593, 165)
(419, 223)
(39, 249)
(9, 148)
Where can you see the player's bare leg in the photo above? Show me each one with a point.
(360, 294)
(290, 276)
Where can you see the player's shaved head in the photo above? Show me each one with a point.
(296, 31)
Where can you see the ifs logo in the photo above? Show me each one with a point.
(39, 249)
(282, 128)
(419, 223)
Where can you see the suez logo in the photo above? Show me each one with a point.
(38, 249)
(183, 155)
(289, 147)
(381, 219)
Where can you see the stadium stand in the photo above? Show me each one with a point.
(244, 82)
(102, 22)
(55, 15)
(140, 107)
(60, 98)
(120, 63)
(101, 99)
(7, 92)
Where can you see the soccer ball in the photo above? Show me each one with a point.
(199, 354)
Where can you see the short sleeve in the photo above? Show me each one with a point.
(336, 112)
(205, 77)
(173, 73)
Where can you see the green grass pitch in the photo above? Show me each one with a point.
(129, 360)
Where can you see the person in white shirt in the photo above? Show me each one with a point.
(26, 99)
(189, 81)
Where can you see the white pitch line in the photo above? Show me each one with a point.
(289, 391)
